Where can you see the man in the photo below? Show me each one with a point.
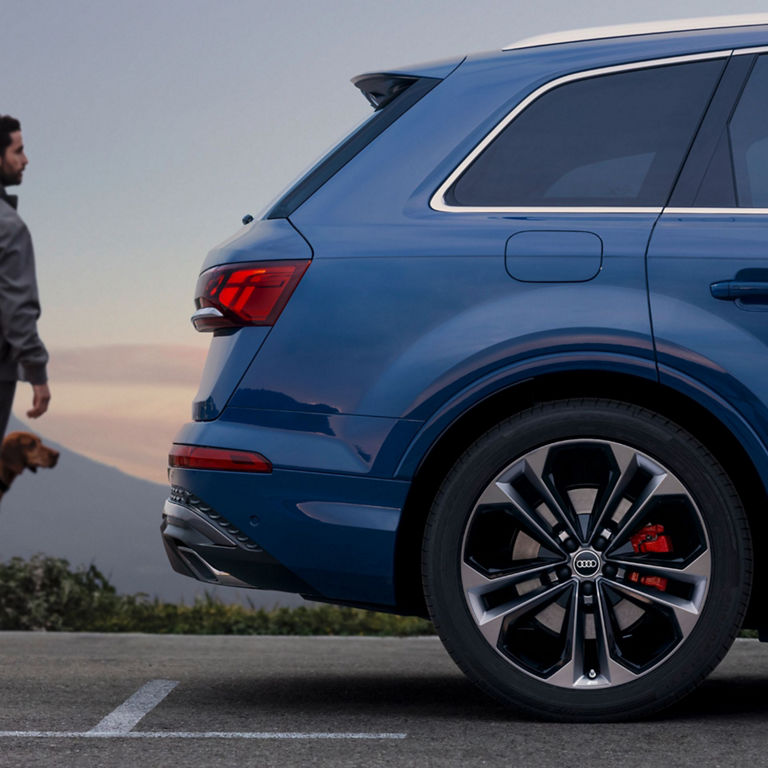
(22, 354)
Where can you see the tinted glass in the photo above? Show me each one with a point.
(616, 139)
(718, 188)
(738, 173)
(749, 140)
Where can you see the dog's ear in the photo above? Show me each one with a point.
(13, 454)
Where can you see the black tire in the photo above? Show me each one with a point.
(587, 560)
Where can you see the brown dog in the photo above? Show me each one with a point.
(20, 451)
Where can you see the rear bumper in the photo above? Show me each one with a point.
(216, 553)
(326, 536)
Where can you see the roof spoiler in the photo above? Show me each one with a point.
(381, 87)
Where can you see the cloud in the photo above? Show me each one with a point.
(125, 363)
(120, 405)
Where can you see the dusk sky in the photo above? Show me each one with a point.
(152, 127)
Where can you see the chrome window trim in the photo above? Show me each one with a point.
(717, 211)
(596, 209)
(437, 201)
(746, 51)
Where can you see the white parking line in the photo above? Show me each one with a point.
(127, 715)
(194, 735)
(119, 724)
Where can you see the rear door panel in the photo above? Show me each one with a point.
(708, 257)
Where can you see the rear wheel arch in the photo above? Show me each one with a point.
(474, 422)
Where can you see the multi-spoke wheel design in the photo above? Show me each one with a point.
(585, 563)
(580, 558)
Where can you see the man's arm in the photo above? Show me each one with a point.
(20, 309)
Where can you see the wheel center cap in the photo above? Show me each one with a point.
(586, 563)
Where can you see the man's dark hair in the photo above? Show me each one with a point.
(8, 125)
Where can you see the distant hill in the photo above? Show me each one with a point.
(87, 512)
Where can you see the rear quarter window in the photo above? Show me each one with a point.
(617, 139)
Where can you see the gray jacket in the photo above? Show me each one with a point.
(22, 354)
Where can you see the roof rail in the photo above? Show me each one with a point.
(642, 28)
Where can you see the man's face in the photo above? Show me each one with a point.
(13, 161)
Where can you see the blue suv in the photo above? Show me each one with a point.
(500, 359)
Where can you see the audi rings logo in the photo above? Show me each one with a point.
(586, 563)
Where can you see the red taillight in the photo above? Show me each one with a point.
(202, 457)
(245, 294)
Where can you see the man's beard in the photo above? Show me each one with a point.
(10, 180)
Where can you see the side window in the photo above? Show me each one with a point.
(737, 175)
(611, 140)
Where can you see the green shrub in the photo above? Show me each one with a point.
(43, 593)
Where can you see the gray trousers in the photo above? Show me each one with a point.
(7, 390)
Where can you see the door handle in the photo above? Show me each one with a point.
(739, 289)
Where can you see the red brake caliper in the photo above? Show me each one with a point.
(650, 538)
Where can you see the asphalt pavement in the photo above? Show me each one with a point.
(149, 700)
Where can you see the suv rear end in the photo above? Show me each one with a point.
(437, 381)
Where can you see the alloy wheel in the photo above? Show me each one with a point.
(585, 563)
